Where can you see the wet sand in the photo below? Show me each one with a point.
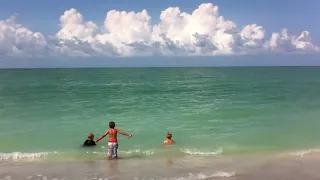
(245, 167)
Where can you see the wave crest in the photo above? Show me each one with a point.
(132, 152)
(139, 151)
(24, 156)
(201, 153)
(302, 153)
(204, 175)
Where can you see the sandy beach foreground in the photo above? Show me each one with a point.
(288, 166)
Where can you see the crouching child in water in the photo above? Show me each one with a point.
(168, 141)
(113, 141)
(89, 141)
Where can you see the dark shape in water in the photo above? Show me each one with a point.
(89, 143)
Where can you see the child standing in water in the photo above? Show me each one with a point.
(168, 141)
(113, 142)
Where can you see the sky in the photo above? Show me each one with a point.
(158, 33)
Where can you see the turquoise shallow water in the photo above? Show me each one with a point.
(208, 110)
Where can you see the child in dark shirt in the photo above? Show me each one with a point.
(90, 141)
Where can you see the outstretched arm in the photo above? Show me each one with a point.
(104, 135)
(123, 133)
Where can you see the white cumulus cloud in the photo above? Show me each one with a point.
(203, 32)
(16, 40)
(285, 42)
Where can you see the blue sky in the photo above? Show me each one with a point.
(272, 15)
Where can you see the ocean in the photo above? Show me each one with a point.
(228, 123)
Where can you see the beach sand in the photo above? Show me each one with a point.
(280, 166)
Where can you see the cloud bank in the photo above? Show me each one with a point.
(202, 33)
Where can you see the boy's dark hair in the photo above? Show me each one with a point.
(112, 124)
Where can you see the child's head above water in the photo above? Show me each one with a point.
(89, 141)
(169, 140)
(112, 125)
(91, 136)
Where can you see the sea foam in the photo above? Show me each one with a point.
(24, 156)
(204, 175)
(202, 153)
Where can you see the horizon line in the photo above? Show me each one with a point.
(154, 67)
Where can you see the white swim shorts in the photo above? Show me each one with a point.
(112, 149)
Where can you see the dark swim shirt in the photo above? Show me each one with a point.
(89, 143)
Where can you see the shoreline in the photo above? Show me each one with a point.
(55, 156)
(236, 167)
